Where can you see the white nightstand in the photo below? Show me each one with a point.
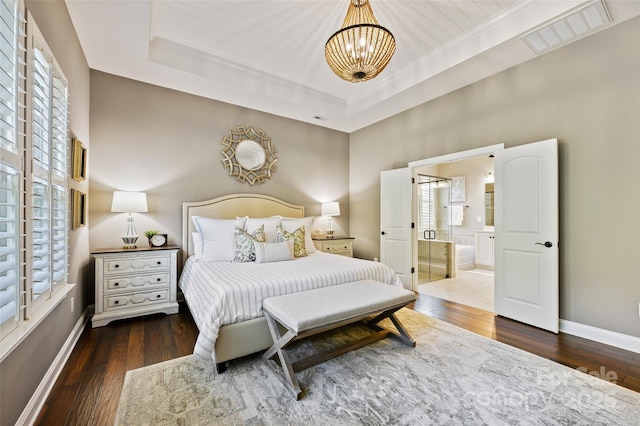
(131, 283)
(337, 245)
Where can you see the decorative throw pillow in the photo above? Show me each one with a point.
(274, 252)
(245, 250)
(298, 238)
(291, 224)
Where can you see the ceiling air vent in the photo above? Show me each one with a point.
(576, 24)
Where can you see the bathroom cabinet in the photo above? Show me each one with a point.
(484, 249)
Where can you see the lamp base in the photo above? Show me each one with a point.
(129, 242)
(129, 236)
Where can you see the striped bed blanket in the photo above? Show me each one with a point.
(220, 293)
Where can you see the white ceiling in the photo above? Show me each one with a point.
(268, 55)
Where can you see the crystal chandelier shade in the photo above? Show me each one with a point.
(362, 48)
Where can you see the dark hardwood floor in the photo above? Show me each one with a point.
(88, 389)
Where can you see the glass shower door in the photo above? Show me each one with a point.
(434, 228)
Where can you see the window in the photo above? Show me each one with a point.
(34, 152)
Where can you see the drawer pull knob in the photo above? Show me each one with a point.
(158, 279)
(116, 284)
(116, 302)
(116, 266)
(158, 296)
(159, 263)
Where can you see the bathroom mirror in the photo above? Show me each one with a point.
(488, 204)
(249, 155)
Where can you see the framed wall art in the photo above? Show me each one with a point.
(457, 189)
(78, 209)
(78, 161)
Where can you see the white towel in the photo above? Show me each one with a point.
(457, 214)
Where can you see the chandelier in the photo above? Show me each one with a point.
(362, 48)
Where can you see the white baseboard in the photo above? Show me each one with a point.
(600, 335)
(39, 397)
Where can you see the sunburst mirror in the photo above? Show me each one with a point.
(249, 155)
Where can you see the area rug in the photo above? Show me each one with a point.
(451, 377)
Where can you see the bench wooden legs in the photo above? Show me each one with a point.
(284, 366)
(280, 342)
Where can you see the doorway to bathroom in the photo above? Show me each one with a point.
(525, 241)
(454, 202)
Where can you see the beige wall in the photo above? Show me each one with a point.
(23, 370)
(588, 96)
(167, 143)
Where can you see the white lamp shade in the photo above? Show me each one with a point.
(129, 202)
(330, 209)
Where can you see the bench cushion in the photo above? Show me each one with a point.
(306, 310)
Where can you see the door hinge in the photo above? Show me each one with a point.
(413, 225)
(413, 180)
(413, 270)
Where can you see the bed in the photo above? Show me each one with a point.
(225, 297)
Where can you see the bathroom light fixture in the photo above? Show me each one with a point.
(362, 48)
(330, 209)
(129, 202)
(489, 178)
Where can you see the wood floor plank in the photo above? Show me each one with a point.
(88, 389)
(116, 368)
(135, 347)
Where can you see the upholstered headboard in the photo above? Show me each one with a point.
(230, 207)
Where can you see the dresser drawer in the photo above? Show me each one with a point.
(138, 264)
(336, 248)
(128, 282)
(139, 299)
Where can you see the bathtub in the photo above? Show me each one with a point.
(465, 256)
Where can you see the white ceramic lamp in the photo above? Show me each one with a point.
(330, 209)
(129, 202)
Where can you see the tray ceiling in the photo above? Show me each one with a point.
(269, 55)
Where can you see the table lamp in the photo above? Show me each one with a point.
(129, 202)
(330, 209)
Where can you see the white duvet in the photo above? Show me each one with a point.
(221, 293)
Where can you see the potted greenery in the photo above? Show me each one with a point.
(149, 234)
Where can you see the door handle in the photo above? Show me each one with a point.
(383, 233)
(546, 244)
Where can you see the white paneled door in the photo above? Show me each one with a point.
(395, 222)
(527, 234)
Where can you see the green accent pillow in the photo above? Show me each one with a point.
(299, 248)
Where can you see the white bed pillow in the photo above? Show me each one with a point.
(291, 224)
(273, 252)
(218, 238)
(270, 225)
(197, 245)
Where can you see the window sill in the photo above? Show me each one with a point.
(17, 336)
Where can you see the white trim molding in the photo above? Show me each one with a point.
(39, 397)
(600, 335)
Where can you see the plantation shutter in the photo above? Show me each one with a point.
(47, 194)
(12, 134)
(59, 168)
(427, 206)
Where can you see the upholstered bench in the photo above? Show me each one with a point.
(311, 312)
